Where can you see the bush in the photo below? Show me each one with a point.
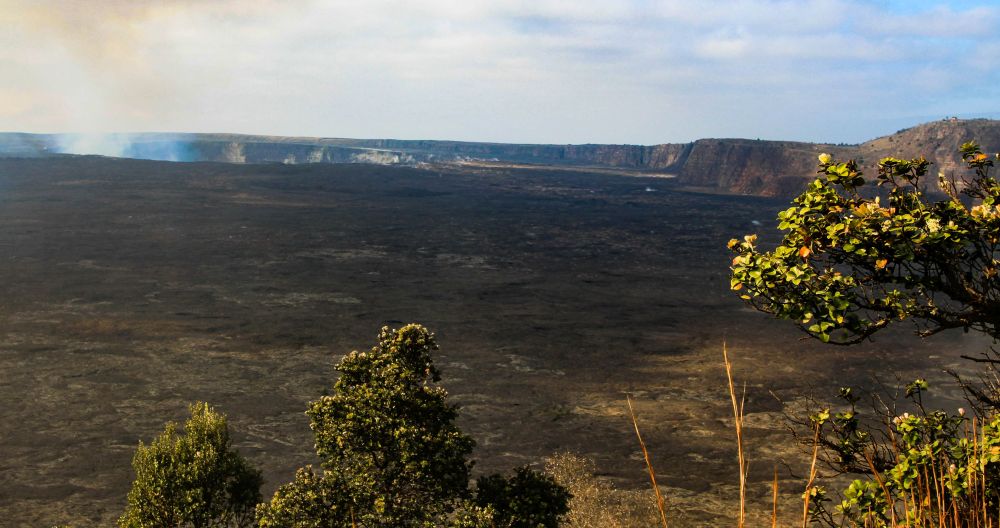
(192, 479)
(527, 499)
(929, 468)
(850, 265)
(309, 501)
(393, 456)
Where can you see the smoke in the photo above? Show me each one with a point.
(114, 145)
(93, 68)
(90, 61)
(161, 150)
(135, 146)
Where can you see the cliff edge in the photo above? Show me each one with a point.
(731, 166)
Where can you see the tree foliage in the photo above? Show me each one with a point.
(930, 468)
(310, 501)
(389, 433)
(527, 499)
(392, 454)
(192, 479)
(854, 259)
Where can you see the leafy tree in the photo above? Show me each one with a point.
(390, 434)
(392, 454)
(528, 499)
(309, 501)
(192, 479)
(851, 263)
(854, 259)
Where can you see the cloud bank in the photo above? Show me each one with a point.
(638, 71)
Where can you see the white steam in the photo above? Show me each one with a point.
(113, 145)
(160, 147)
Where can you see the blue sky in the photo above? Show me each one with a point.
(543, 71)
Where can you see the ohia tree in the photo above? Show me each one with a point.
(391, 452)
(853, 259)
(192, 478)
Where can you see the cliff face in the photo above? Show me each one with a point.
(740, 166)
(763, 168)
(289, 153)
(654, 157)
(667, 156)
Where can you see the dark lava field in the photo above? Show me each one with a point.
(133, 288)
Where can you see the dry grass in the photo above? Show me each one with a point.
(774, 500)
(812, 477)
(661, 505)
(738, 421)
(596, 503)
(925, 505)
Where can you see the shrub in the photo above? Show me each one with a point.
(933, 468)
(850, 265)
(527, 499)
(393, 456)
(310, 501)
(192, 479)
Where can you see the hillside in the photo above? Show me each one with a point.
(727, 166)
(759, 168)
(937, 140)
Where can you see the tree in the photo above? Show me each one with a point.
(310, 501)
(387, 439)
(853, 260)
(528, 499)
(192, 479)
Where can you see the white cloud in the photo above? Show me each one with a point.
(512, 70)
(727, 45)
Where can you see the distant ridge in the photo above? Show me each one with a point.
(937, 140)
(739, 166)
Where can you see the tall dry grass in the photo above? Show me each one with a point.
(661, 505)
(926, 504)
(738, 422)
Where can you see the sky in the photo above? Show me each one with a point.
(518, 71)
